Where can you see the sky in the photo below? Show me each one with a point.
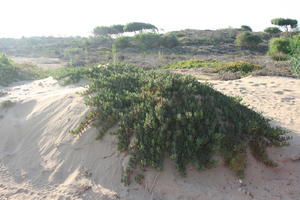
(78, 17)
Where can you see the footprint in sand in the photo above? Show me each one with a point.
(279, 92)
(288, 99)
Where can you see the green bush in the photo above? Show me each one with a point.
(168, 41)
(295, 55)
(193, 63)
(295, 45)
(239, 66)
(247, 39)
(161, 115)
(147, 40)
(11, 72)
(272, 30)
(123, 42)
(69, 75)
(279, 46)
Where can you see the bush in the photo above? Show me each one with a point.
(248, 40)
(11, 72)
(162, 115)
(279, 46)
(168, 41)
(272, 30)
(122, 42)
(147, 40)
(240, 66)
(295, 65)
(295, 55)
(69, 75)
(295, 45)
(193, 63)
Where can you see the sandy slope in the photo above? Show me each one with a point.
(39, 159)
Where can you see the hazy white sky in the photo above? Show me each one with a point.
(79, 17)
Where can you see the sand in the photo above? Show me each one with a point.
(40, 159)
(42, 62)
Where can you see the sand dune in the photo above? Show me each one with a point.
(39, 159)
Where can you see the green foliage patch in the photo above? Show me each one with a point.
(162, 115)
(69, 75)
(146, 41)
(239, 66)
(279, 45)
(11, 72)
(193, 63)
(247, 39)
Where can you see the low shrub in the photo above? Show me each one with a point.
(279, 46)
(168, 41)
(145, 41)
(272, 30)
(193, 63)
(240, 66)
(295, 65)
(69, 75)
(11, 72)
(123, 42)
(161, 115)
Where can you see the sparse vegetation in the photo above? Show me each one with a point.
(161, 115)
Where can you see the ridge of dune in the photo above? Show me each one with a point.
(39, 159)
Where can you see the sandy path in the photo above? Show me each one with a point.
(39, 159)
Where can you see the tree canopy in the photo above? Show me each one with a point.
(246, 28)
(139, 26)
(108, 30)
(286, 23)
(119, 28)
